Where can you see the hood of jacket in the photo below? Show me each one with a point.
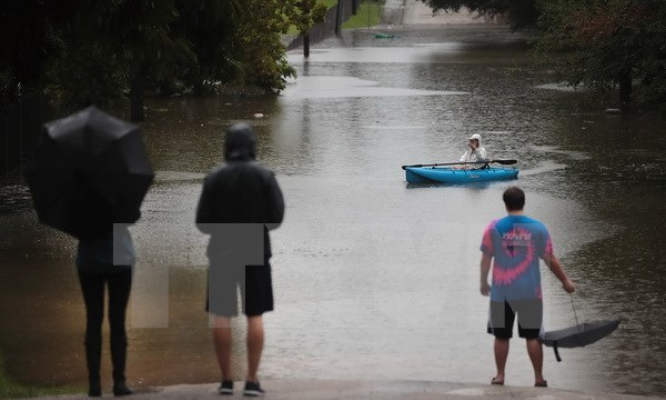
(240, 143)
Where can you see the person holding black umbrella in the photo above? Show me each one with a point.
(240, 202)
(88, 179)
(517, 243)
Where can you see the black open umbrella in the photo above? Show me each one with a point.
(90, 170)
(578, 336)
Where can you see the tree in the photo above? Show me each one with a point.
(601, 44)
(209, 26)
(304, 15)
(520, 13)
(607, 43)
(80, 52)
(87, 64)
(27, 44)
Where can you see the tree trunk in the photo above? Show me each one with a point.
(306, 45)
(137, 64)
(624, 79)
(354, 7)
(136, 92)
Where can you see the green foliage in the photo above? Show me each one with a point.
(520, 13)
(25, 46)
(368, 14)
(88, 51)
(256, 43)
(208, 27)
(83, 68)
(599, 43)
(596, 43)
(303, 14)
(8, 84)
(328, 3)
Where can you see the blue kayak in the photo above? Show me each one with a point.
(451, 175)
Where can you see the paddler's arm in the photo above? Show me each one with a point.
(485, 270)
(480, 153)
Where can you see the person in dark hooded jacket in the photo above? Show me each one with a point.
(240, 202)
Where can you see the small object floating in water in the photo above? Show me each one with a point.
(258, 115)
(613, 111)
(384, 36)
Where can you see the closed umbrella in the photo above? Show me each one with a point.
(90, 170)
(579, 335)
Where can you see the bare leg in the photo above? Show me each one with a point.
(255, 345)
(535, 351)
(222, 342)
(501, 354)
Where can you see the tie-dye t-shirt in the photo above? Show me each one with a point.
(517, 243)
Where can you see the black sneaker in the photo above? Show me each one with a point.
(253, 389)
(120, 389)
(95, 391)
(226, 388)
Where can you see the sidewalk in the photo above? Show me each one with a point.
(397, 390)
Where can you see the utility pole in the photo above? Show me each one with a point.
(306, 35)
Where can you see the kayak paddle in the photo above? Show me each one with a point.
(499, 161)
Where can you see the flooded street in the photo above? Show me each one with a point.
(375, 278)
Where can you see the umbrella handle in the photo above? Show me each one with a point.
(557, 352)
(574, 310)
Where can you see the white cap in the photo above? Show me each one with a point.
(476, 136)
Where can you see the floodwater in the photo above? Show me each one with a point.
(374, 278)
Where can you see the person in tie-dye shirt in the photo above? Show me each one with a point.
(517, 243)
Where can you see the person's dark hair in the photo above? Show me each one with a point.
(514, 198)
(240, 143)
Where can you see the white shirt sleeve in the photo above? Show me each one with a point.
(480, 154)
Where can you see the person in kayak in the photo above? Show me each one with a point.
(474, 153)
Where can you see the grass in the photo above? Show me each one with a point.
(12, 390)
(367, 15)
(329, 3)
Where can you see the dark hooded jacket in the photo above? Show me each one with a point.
(240, 192)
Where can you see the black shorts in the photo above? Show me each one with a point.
(503, 313)
(256, 289)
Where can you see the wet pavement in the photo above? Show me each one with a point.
(385, 390)
(376, 279)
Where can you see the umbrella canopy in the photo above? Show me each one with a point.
(578, 336)
(90, 170)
